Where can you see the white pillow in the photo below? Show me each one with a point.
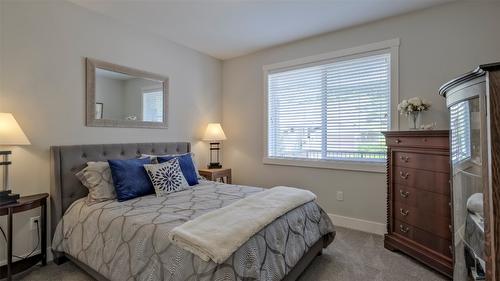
(97, 178)
(154, 160)
(167, 177)
(153, 157)
(475, 204)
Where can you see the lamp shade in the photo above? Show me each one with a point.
(10, 132)
(214, 132)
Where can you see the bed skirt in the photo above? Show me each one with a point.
(293, 275)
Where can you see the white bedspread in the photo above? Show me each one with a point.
(218, 234)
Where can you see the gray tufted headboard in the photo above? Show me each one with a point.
(67, 160)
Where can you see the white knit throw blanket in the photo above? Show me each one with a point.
(218, 234)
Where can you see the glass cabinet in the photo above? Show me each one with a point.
(466, 103)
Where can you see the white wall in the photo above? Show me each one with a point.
(43, 84)
(111, 93)
(436, 45)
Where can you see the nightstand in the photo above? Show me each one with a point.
(217, 174)
(25, 203)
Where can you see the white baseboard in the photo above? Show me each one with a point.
(49, 256)
(359, 224)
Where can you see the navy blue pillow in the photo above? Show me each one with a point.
(187, 166)
(130, 178)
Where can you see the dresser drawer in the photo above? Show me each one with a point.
(422, 179)
(434, 224)
(427, 142)
(430, 162)
(419, 213)
(425, 201)
(424, 238)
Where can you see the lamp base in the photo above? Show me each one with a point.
(214, 166)
(6, 197)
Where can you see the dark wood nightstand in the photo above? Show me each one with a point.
(217, 174)
(25, 203)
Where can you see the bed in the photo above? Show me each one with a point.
(128, 240)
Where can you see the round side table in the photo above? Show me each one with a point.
(25, 203)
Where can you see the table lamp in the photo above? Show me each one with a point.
(214, 134)
(10, 134)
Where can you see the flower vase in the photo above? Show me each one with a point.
(414, 120)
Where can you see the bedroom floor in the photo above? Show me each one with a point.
(353, 255)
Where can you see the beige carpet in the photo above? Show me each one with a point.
(352, 256)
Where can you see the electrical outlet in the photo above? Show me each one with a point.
(34, 221)
(340, 196)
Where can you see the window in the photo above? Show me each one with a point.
(330, 111)
(460, 132)
(152, 105)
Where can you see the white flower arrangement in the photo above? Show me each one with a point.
(415, 104)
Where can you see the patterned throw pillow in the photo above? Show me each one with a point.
(97, 178)
(167, 177)
(187, 167)
(154, 160)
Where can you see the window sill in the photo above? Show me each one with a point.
(328, 164)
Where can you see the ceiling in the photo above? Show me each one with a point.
(229, 28)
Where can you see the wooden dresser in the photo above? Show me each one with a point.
(418, 197)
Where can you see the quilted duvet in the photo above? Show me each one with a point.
(128, 240)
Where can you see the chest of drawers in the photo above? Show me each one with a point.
(418, 197)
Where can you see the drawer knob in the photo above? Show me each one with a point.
(404, 212)
(403, 228)
(404, 158)
(403, 193)
(398, 140)
(403, 175)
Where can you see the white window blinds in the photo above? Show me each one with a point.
(460, 132)
(330, 111)
(152, 105)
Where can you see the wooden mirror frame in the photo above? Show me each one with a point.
(91, 121)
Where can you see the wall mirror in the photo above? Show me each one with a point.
(119, 96)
